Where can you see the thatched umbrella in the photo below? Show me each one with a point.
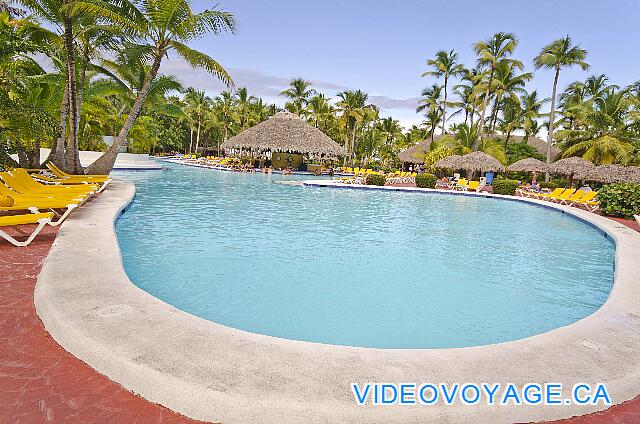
(415, 154)
(450, 162)
(285, 132)
(613, 174)
(528, 165)
(573, 166)
(480, 161)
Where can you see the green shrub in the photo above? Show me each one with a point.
(621, 199)
(376, 179)
(426, 180)
(505, 187)
(560, 183)
(551, 185)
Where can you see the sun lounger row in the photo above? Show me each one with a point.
(42, 199)
(463, 184)
(569, 196)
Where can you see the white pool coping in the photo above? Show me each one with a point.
(211, 372)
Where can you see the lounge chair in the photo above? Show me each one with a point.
(565, 195)
(461, 184)
(63, 175)
(637, 217)
(16, 221)
(22, 178)
(473, 186)
(572, 198)
(588, 197)
(587, 202)
(555, 193)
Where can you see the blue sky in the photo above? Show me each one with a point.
(381, 46)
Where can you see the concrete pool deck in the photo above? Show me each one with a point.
(211, 372)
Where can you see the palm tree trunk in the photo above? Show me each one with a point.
(485, 105)
(104, 164)
(494, 115)
(81, 81)
(71, 154)
(198, 136)
(444, 105)
(552, 116)
(57, 149)
(190, 138)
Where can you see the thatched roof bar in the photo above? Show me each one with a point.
(285, 132)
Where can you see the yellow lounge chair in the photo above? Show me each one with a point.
(556, 192)
(587, 201)
(8, 187)
(461, 184)
(63, 175)
(61, 207)
(23, 179)
(575, 196)
(565, 195)
(41, 219)
(473, 185)
(588, 197)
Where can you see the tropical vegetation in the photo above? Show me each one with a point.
(101, 89)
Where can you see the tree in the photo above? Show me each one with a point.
(446, 66)
(159, 28)
(353, 108)
(496, 49)
(429, 103)
(299, 92)
(557, 55)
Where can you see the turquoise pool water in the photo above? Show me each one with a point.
(359, 267)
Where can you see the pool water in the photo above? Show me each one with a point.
(359, 267)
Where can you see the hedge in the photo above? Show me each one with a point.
(507, 187)
(426, 180)
(376, 179)
(620, 199)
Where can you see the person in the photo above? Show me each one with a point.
(535, 187)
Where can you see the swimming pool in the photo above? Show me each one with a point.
(359, 267)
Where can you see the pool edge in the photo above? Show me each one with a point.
(73, 325)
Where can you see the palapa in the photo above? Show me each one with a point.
(528, 165)
(572, 167)
(480, 161)
(285, 132)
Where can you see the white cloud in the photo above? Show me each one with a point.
(269, 86)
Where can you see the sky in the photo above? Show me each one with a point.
(381, 47)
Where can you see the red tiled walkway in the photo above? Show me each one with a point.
(39, 381)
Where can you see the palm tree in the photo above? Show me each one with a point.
(606, 137)
(506, 83)
(496, 49)
(430, 104)
(158, 28)
(557, 55)
(298, 92)
(197, 107)
(446, 66)
(243, 104)
(353, 108)
(224, 102)
(318, 108)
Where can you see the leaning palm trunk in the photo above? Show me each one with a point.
(104, 164)
(71, 154)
